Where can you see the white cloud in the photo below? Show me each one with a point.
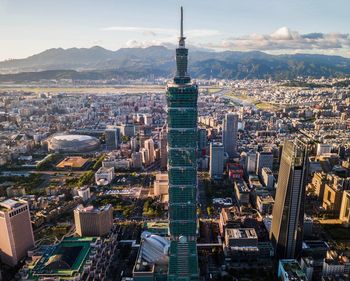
(285, 39)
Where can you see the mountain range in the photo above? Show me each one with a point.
(97, 63)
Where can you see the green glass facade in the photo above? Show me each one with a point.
(182, 97)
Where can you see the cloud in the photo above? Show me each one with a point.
(285, 39)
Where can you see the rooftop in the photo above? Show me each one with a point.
(291, 270)
(92, 209)
(10, 204)
(241, 233)
(63, 259)
(72, 162)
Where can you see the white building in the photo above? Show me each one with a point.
(251, 162)
(84, 193)
(104, 176)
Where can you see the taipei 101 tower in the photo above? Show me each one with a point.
(182, 169)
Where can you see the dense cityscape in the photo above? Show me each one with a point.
(175, 179)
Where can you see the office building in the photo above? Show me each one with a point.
(251, 162)
(163, 149)
(91, 221)
(264, 203)
(268, 178)
(229, 133)
(16, 233)
(149, 145)
(345, 207)
(136, 160)
(290, 270)
(241, 244)
(264, 160)
(127, 130)
(161, 184)
(216, 166)
(202, 141)
(288, 211)
(323, 148)
(182, 97)
(72, 258)
(242, 192)
(84, 193)
(112, 136)
(333, 192)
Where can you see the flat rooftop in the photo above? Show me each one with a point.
(72, 162)
(241, 233)
(293, 270)
(316, 244)
(92, 209)
(241, 186)
(10, 204)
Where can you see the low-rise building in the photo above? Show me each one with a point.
(242, 192)
(104, 176)
(290, 270)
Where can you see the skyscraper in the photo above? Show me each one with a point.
(112, 138)
(288, 211)
(216, 167)
(182, 169)
(163, 149)
(16, 233)
(229, 133)
(90, 221)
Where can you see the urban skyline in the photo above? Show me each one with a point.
(238, 168)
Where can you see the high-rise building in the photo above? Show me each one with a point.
(136, 160)
(149, 145)
(251, 162)
(229, 133)
(182, 97)
(16, 233)
(264, 160)
(216, 166)
(90, 221)
(202, 140)
(163, 149)
(288, 211)
(112, 136)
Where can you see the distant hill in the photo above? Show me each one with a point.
(157, 61)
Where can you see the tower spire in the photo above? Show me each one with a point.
(182, 23)
(182, 38)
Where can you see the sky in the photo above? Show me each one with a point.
(29, 27)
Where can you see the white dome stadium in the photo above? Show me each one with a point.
(73, 143)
